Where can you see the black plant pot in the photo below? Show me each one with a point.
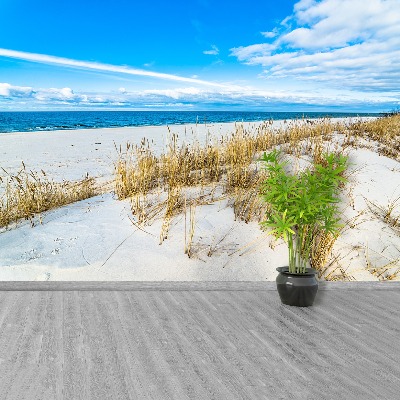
(297, 289)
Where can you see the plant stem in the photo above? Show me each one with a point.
(291, 254)
(298, 250)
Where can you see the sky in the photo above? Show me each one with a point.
(261, 55)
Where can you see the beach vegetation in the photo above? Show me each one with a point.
(27, 194)
(384, 131)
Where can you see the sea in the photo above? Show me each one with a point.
(57, 120)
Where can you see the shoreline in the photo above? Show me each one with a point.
(197, 117)
(192, 124)
(70, 154)
(56, 152)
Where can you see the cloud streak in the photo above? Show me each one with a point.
(88, 65)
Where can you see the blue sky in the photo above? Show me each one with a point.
(328, 55)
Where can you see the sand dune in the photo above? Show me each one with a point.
(94, 239)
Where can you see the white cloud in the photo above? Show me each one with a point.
(183, 97)
(175, 93)
(270, 34)
(54, 94)
(349, 44)
(8, 90)
(337, 23)
(254, 50)
(67, 62)
(66, 93)
(214, 50)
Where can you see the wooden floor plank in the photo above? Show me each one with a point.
(198, 343)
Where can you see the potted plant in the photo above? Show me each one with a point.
(298, 206)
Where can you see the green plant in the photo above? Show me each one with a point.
(300, 205)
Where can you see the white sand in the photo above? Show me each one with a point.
(70, 154)
(95, 239)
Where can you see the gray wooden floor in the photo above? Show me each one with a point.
(197, 341)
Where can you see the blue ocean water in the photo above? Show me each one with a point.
(55, 120)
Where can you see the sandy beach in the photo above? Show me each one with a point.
(70, 154)
(95, 239)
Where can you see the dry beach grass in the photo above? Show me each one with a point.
(28, 193)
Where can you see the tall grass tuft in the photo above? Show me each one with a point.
(385, 131)
(136, 170)
(28, 193)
